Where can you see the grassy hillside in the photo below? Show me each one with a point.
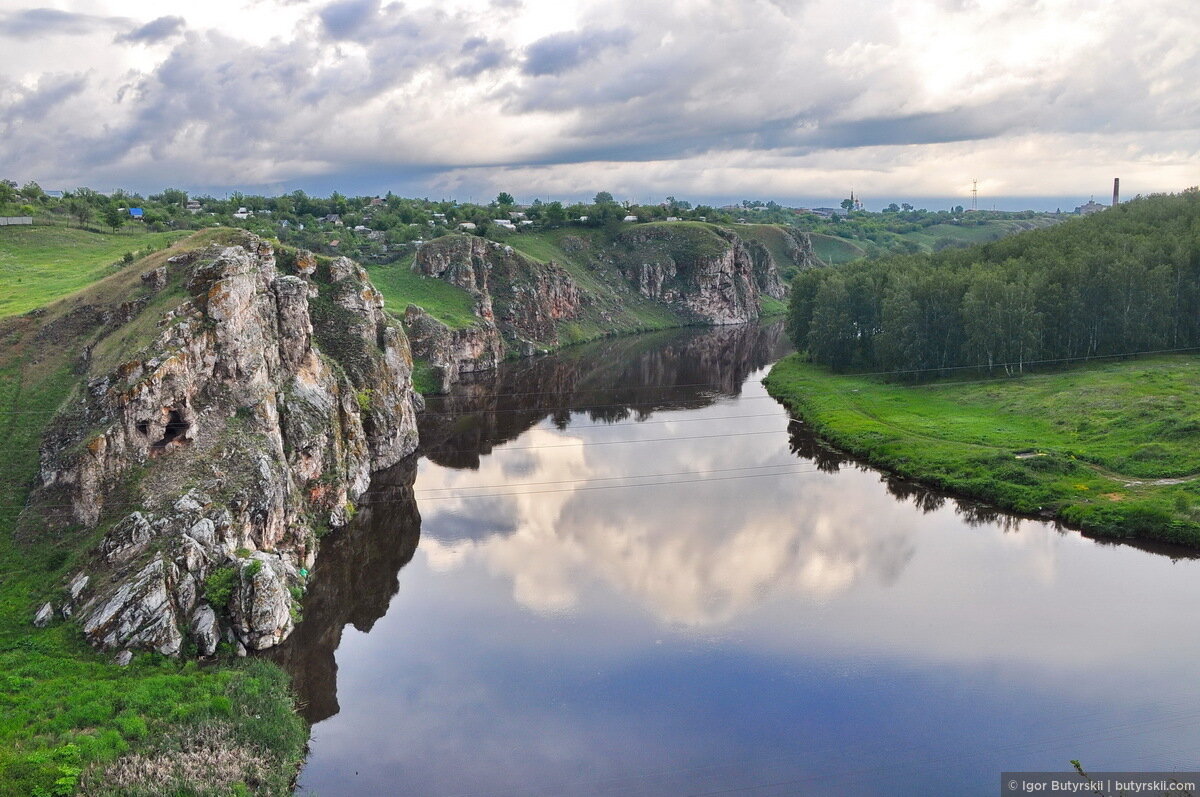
(68, 710)
(39, 264)
(401, 286)
(834, 250)
(1110, 447)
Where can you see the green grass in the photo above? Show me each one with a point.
(66, 710)
(834, 250)
(39, 264)
(401, 286)
(424, 380)
(1091, 445)
(770, 306)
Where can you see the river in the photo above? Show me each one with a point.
(622, 569)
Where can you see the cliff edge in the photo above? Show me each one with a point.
(211, 461)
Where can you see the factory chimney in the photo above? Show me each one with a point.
(1116, 191)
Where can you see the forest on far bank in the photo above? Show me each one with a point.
(1123, 281)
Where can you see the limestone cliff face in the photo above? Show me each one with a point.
(518, 301)
(800, 249)
(453, 352)
(252, 421)
(766, 274)
(706, 275)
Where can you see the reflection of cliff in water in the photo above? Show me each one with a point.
(613, 380)
(353, 582)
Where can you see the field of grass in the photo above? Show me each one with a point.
(39, 264)
(1112, 448)
(834, 250)
(401, 286)
(67, 711)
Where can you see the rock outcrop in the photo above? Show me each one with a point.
(699, 273)
(706, 275)
(523, 298)
(250, 424)
(766, 273)
(800, 249)
(452, 352)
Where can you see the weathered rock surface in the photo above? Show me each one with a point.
(525, 299)
(709, 279)
(453, 352)
(253, 419)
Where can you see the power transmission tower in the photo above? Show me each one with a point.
(974, 194)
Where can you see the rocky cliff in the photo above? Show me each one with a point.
(519, 304)
(212, 460)
(620, 279)
(705, 273)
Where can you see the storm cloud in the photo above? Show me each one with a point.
(701, 98)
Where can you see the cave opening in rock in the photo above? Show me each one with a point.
(174, 431)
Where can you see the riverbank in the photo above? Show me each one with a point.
(1110, 448)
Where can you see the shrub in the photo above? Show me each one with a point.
(218, 587)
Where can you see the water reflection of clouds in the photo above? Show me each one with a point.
(693, 555)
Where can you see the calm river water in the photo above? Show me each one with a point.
(621, 570)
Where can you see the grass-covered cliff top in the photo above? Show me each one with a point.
(1108, 447)
(69, 711)
(39, 264)
(401, 286)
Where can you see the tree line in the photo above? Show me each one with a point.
(1125, 280)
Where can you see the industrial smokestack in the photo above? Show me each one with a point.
(1116, 190)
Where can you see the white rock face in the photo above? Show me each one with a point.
(246, 432)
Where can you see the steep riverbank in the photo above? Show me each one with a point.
(1108, 448)
(536, 293)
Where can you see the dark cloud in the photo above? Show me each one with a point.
(561, 52)
(154, 31)
(349, 19)
(50, 21)
(480, 55)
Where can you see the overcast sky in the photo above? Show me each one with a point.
(706, 99)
